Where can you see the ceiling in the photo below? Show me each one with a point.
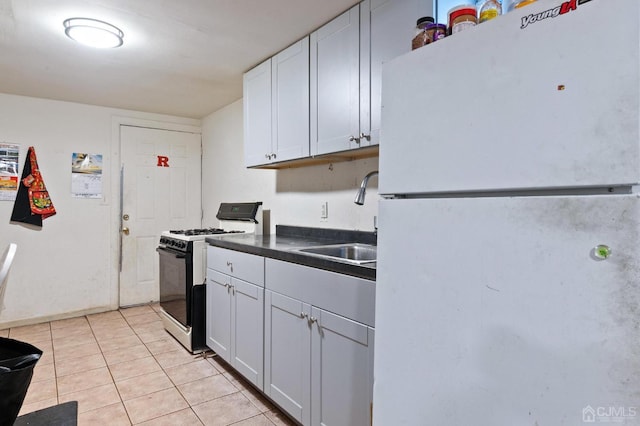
(180, 57)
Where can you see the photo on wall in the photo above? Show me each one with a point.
(9, 154)
(86, 175)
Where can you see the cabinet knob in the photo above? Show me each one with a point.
(303, 315)
(354, 139)
(267, 156)
(273, 156)
(313, 319)
(363, 136)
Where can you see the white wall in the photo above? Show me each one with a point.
(293, 196)
(68, 267)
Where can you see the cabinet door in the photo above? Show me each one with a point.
(219, 314)
(290, 102)
(342, 370)
(335, 91)
(387, 27)
(287, 355)
(247, 332)
(247, 267)
(257, 114)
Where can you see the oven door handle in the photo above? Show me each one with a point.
(177, 255)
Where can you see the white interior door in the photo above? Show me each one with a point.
(161, 183)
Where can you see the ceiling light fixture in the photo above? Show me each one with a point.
(93, 32)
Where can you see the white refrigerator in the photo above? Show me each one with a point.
(508, 279)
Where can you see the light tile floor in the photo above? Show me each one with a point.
(123, 368)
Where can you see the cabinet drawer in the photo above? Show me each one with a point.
(351, 297)
(247, 267)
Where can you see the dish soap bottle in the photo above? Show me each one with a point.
(488, 9)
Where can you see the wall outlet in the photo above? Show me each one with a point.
(324, 211)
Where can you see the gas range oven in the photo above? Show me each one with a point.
(183, 258)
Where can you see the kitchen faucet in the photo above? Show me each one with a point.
(363, 188)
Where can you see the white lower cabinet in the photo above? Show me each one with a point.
(218, 327)
(235, 322)
(287, 354)
(318, 365)
(341, 370)
(302, 335)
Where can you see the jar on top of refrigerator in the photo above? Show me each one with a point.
(462, 17)
(421, 38)
(435, 32)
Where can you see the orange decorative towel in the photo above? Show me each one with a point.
(32, 201)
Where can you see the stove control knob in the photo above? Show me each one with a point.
(183, 244)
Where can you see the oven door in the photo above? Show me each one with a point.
(176, 282)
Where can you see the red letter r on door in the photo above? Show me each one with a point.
(163, 161)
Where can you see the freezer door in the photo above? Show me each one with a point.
(499, 106)
(499, 311)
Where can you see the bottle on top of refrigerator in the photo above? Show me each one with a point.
(488, 9)
(522, 3)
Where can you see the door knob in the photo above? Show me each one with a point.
(125, 231)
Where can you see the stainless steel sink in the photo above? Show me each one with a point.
(353, 252)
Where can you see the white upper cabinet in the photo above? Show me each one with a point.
(322, 95)
(257, 114)
(335, 84)
(346, 70)
(387, 29)
(290, 102)
(276, 107)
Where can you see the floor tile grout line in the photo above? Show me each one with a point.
(113, 381)
(55, 368)
(252, 417)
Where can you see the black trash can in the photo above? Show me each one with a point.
(17, 360)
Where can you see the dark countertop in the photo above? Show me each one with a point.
(287, 239)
